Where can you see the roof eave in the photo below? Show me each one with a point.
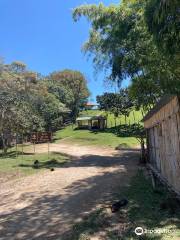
(163, 101)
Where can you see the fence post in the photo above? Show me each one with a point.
(16, 146)
(22, 149)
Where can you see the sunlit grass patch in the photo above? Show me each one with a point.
(18, 164)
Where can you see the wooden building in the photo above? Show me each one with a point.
(162, 124)
(92, 122)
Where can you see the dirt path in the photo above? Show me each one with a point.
(46, 205)
(73, 149)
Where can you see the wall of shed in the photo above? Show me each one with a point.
(164, 143)
(83, 124)
(168, 110)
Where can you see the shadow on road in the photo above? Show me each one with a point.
(51, 213)
(48, 215)
(88, 160)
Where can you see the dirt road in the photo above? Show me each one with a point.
(46, 205)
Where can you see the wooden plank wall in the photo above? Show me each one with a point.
(166, 111)
(164, 143)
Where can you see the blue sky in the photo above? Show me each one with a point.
(42, 34)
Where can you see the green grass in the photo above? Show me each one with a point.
(134, 117)
(101, 138)
(22, 165)
(143, 210)
(86, 137)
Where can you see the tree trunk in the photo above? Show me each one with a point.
(115, 121)
(5, 147)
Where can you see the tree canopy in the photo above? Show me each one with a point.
(116, 103)
(70, 87)
(30, 102)
(121, 40)
(163, 22)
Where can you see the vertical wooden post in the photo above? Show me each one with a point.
(48, 150)
(4, 144)
(16, 146)
(147, 145)
(34, 148)
(22, 149)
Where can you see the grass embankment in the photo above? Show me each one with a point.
(13, 166)
(86, 137)
(134, 117)
(143, 210)
(112, 136)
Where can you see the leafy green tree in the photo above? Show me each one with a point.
(162, 17)
(144, 93)
(105, 101)
(71, 88)
(127, 103)
(116, 103)
(25, 103)
(119, 41)
(17, 67)
(16, 116)
(29, 102)
(51, 110)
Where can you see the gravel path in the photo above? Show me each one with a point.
(46, 205)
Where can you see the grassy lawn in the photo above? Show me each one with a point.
(86, 137)
(12, 166)
(134, 117)
(143, 210)
(108, 137)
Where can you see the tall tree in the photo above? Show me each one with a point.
(163, 20)
(71, 88)
(120, 41)
(116, 103)
(25, 103)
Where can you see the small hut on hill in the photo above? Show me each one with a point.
(162, 125)
(92, 122)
